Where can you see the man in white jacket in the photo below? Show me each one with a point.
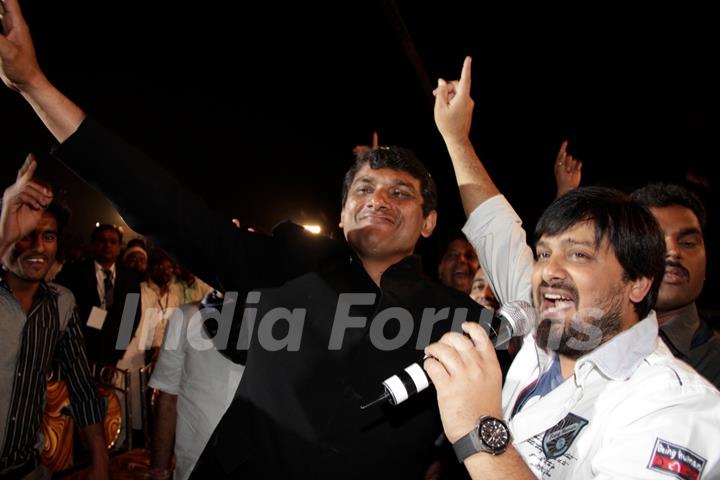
(593, 393)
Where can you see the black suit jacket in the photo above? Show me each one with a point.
(80, 278)
(297, 413)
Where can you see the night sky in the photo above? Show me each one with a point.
(258, 105)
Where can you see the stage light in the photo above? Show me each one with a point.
(316, 229)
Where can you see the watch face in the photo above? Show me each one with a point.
(494, 434)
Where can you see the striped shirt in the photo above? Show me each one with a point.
(43, 341)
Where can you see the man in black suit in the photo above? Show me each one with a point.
(333, 319)
(101, 285)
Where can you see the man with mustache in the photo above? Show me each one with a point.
(352, 314)
(593, 393)
(38, 324)
(682, 218)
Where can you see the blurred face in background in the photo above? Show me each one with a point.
(136, 261)
(458, 265)
(161, 271)
(106, 246)
(482, 292)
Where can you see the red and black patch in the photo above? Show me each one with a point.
(676, 461)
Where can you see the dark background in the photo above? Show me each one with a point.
(258, 105)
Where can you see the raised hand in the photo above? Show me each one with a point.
(23, 205)
(18, 64)
(467, 378)
(567, 171)
(454, 107)
(361, 149)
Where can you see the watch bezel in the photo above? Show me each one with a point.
(486, 446)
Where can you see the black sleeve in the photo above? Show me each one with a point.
(200, 239)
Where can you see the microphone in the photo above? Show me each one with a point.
(514, 319)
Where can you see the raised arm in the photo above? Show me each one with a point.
(493, 227)
(567, 171)
(23, 204)
(180, 222)
(453, 117)
(20, 71)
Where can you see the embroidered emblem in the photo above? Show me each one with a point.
(676, 461)
(558, 439)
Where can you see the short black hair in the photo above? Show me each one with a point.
(58, 207)
(61, 212)
(397, 158)
(658, 195)
(630, 229)
(104, 227)
(446, 238)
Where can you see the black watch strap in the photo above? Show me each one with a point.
(468, 445)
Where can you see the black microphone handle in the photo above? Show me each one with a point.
(413, 379)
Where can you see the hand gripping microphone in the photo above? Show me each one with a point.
(513, 319)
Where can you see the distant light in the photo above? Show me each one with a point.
(236, 222)
(97, 224)
(251, 229)
(313, 229)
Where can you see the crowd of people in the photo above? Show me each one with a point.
(618, 379)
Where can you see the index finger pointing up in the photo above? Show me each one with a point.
(464, 84)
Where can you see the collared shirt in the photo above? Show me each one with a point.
(157, 307)
(630, 410)
(42, 341)
(100, 281)
(297, 413)
(496, 233)
(681, 328)
(692, 340)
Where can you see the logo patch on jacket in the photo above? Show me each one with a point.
(558, 439)
(676, 460)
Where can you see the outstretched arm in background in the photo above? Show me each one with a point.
(567, 171)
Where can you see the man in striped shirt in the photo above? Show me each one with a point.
(38, 324)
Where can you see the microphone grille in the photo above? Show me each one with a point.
(521, 315)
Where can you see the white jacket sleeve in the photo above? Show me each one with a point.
(496, 233)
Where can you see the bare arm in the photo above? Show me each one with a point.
(163, 441)
(20, 71)
(23, 204)
(94, 440)
(567, 171)
(453, 117)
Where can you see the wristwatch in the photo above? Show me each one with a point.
(490, 435)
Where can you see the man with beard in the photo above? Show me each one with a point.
(682, 218)
(593, 393)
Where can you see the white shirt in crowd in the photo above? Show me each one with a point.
(205, 382)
